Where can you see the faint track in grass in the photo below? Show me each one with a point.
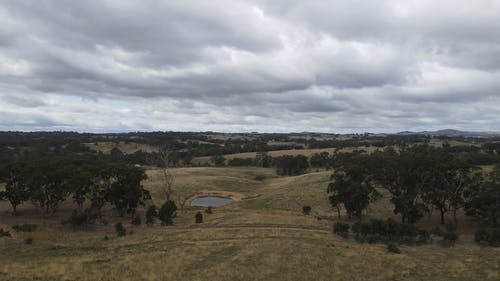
(250, 227)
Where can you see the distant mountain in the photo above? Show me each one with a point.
(453, 133)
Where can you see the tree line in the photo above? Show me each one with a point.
(47, 183)
(420, 179)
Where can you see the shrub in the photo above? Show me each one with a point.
(450, 227)
(306, 210)
(82, 218)
(423, 237)
(120, 229)
(341, 229)
(167, 212)
(136, 220)
(388, 231)
(393, 248)
(4, 233)
(437, 231)
(490, 237)
(25, 227)
(449, 239)
(28, 241)
(198, 217)
(260, 177)
(151, 214)
(208, 210)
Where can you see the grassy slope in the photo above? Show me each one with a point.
(261, 238)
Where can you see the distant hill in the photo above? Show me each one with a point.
(453, 133)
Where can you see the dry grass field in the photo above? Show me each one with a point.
(125, 148)
(262, 237)
(276, 153)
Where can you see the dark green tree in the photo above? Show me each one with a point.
(198, 217)
(151, 214)
(352, 187)
(483, 201)
(16, 189)
(405, 175)
(289, 165)
(321, 159)
(125, 191)
(167, 212)
(450, 177)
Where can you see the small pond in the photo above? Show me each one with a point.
(213, 201)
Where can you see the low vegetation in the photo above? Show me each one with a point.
(412, 191)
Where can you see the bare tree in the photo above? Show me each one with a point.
(165, 157)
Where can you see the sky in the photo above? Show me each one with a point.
(240, 66)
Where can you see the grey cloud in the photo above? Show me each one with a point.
(250, 65)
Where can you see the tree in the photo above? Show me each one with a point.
(483, 201)
(320, 159)
(263, 160)
(289, 165)
(125, 191)
(405, 175)
(48, 183)
(165, 155)
(218, 160)
(167, 212)
(352, 188)
(450, 177)
(16, 189)
(81, 183)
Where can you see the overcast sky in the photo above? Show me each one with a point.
(239, 66)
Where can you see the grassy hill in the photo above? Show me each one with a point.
(262, 236)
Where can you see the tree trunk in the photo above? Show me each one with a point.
(338, 211)
(442, 215)
(455, 221)
(14, 209)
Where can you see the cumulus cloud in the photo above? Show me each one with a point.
(331, 66)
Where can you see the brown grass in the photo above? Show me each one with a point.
(265, 237)
(125, 148)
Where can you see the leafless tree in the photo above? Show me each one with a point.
(164, 156)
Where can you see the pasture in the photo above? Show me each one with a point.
(261, 236)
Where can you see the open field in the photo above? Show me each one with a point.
(262, 237)
(276, 153)
(125, 148)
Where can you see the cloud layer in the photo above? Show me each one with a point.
(268, 66)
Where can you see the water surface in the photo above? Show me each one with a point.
(213, 201)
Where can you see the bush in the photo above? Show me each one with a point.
(437, 231)
(25, 227)
(4, 233)
(341, 229)
(260, 177)
(82, 218)
(449, 239)
(167, 212)
(136, 220)
(423, 237)
(450, 227)
(306, 210)
(389, 231)
(393, 248)
(28, 241)
(151, 214)
(490, 237)
(198, 217)
(208, 210)
(120, 229)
